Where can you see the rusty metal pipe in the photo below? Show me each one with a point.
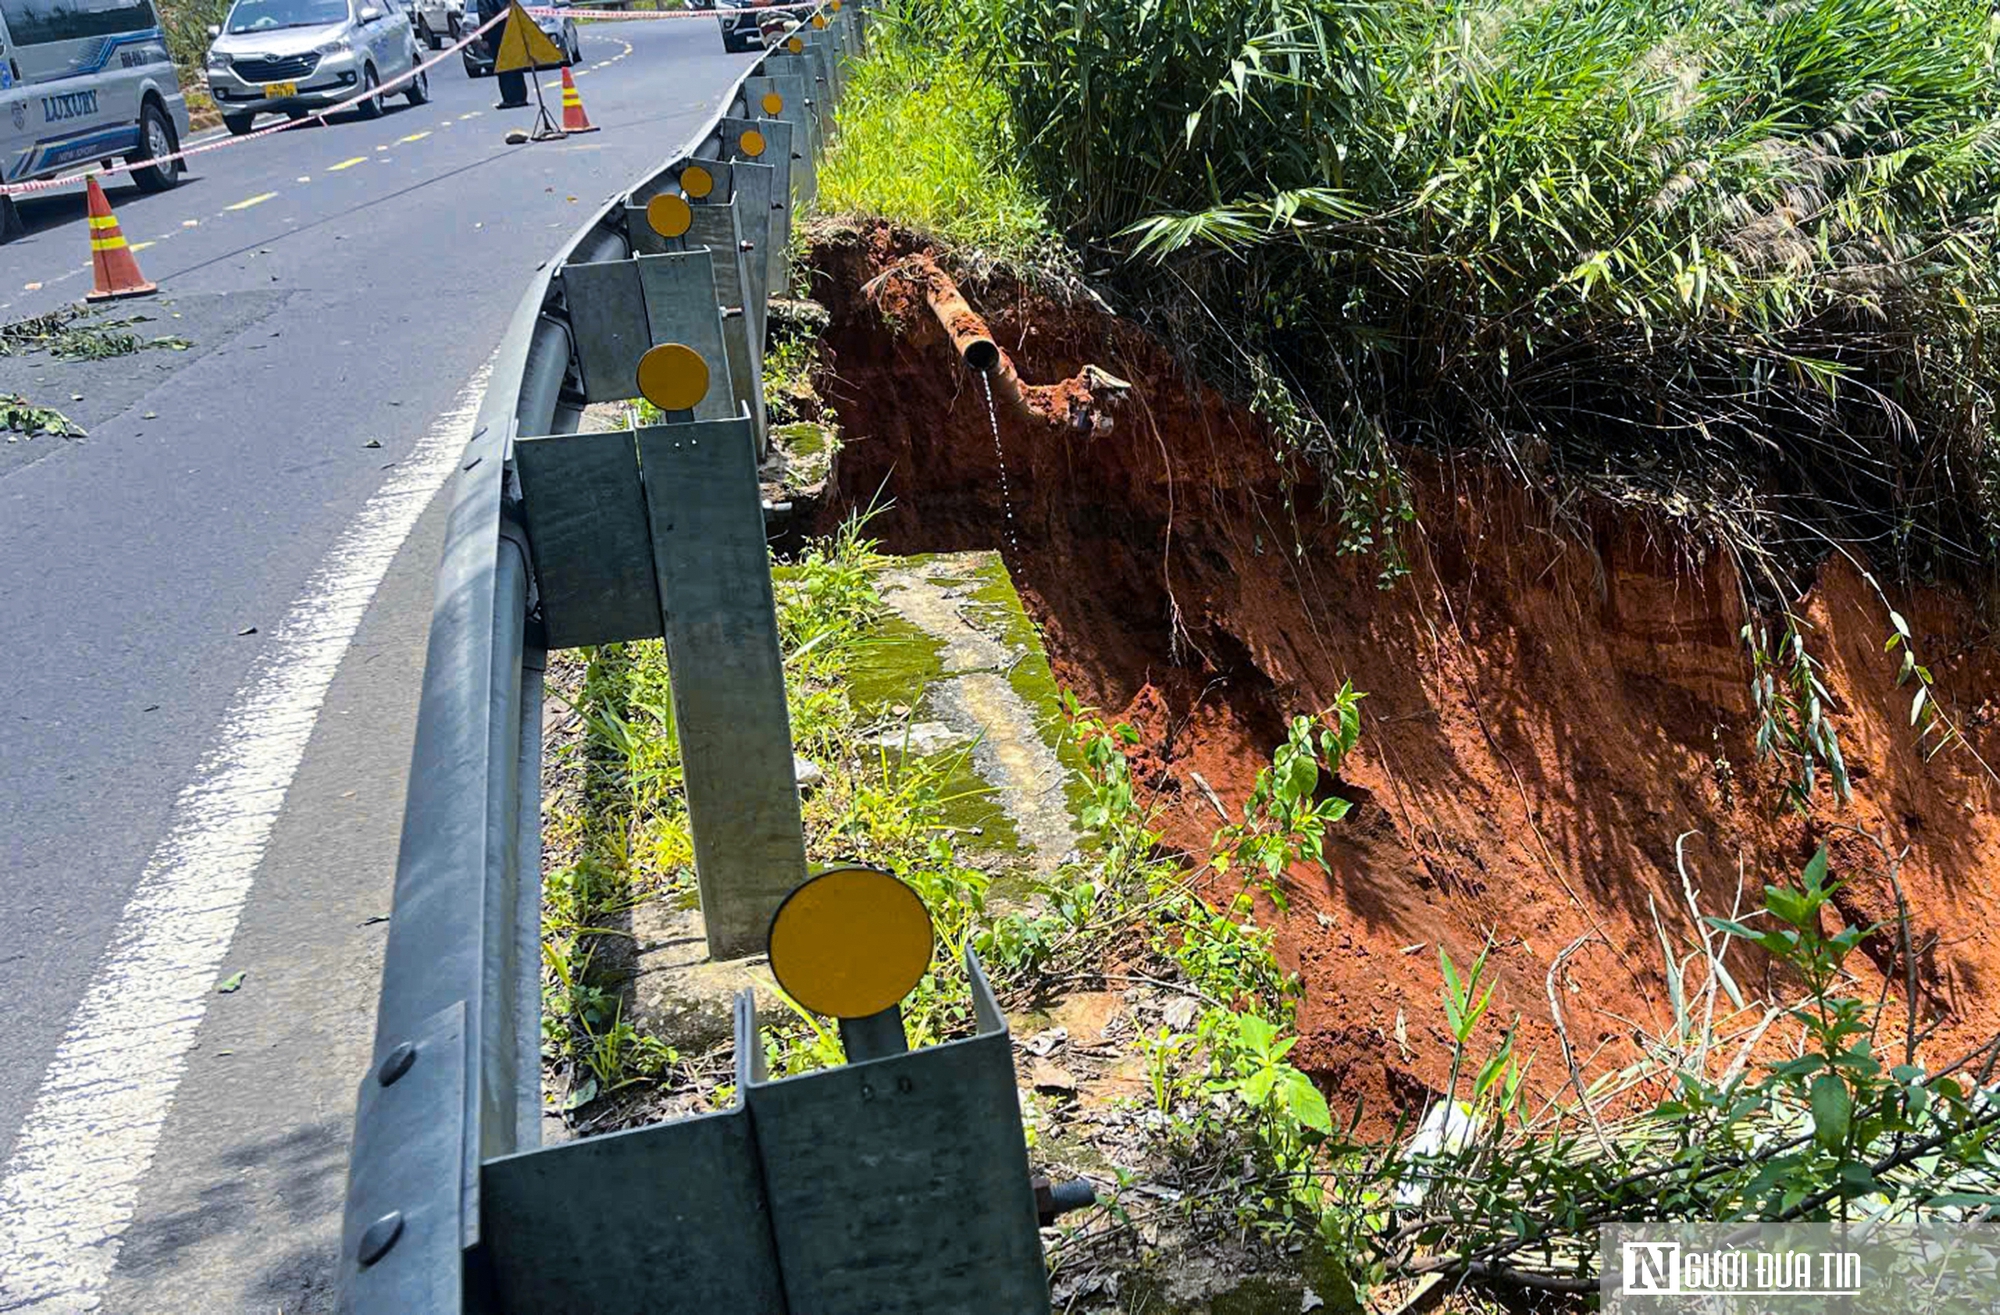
(973, 342)
(1007, 386)
(1082, 403)
(970, 337)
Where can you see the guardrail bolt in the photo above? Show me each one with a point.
(379, 1237)
(1055, 1199)
(396, 1064)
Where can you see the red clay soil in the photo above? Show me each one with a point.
(1548, 708)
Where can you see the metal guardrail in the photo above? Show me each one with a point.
(894, 1183)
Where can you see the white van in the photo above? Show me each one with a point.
(84, 80)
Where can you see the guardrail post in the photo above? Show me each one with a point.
(766, 1208)
(621, 308)
(781, 101)
(764, 224)
(821, 89)
(711, 569)
(933, 1122)
(790, 77)
(843, 23)
(728, 676)
(718, 228)
(826, 70)
(892, 1186)
(757, 147)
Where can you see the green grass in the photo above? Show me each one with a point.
(924, 141)
(1742, 254)
(790, 364)
(622, 829)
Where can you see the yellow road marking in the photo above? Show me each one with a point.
(348, 163)
(415, 136)
(140, 246)
(305, 178)
(258, 199)
(381, 148)
(475, 114)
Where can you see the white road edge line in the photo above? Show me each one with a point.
(72, 1186)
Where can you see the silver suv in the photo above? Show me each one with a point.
(292, 57)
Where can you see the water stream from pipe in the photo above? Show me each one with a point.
(1006, 497)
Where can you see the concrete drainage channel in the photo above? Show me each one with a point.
(895, 1183)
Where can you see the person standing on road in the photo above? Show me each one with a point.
(513, 86)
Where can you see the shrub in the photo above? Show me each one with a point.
(1739, 256)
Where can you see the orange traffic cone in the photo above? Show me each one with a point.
(111, 260)
(574, 119)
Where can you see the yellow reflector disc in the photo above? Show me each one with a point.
(773, 103)
(834, 5)
(751, 143)
(819, 20)
(697, 181)
(673, 377)
(795, 45)
(669, 215)
(850, 942)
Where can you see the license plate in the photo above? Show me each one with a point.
(273, 90)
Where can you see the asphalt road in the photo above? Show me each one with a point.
(340, 286)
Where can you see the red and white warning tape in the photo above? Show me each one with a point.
(540, 12)
(381, 89)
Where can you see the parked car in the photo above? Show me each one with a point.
(292, 57)
(561, 29)
(742, 29)
(84, 83)
(440, 22)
